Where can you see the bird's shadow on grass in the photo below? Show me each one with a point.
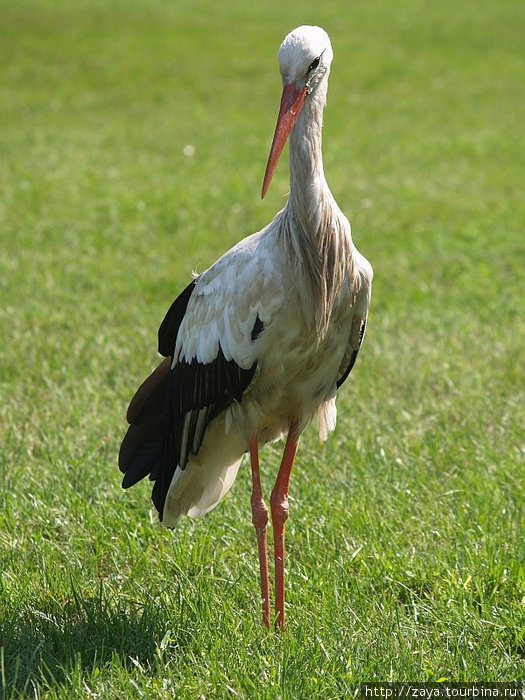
(46, 645)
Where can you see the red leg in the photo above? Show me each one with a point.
(260, 521)
(279, 506)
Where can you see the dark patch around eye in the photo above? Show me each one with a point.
(313, 65)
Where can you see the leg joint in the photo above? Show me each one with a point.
(259, 513)
(280, 507)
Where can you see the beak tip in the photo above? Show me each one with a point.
(266, 183)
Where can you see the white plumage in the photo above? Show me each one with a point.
(259, 343)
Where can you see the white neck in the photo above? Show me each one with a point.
(309, 191)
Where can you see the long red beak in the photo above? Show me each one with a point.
(292, 102)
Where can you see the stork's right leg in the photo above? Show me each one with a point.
(260, 521)
(279, 506)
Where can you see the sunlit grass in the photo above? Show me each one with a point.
(406, 529)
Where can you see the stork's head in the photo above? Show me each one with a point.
(304, 61)
(305, 57)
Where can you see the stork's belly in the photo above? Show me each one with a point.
(295, 380)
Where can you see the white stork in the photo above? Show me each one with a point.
(257, 345)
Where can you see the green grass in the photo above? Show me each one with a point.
(406, 529)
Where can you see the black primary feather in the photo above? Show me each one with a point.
(182, 405)
(169, 327)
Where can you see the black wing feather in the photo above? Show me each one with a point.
(353, 356)
(169, 327)
(191, 396)
(193, 388)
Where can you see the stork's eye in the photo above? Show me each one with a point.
(313, 65)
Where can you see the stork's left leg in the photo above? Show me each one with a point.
(279, 508)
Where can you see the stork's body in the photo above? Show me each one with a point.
(257, 345)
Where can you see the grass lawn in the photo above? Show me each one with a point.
(406, 529)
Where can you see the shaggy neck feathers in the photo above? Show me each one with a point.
(314, 227)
